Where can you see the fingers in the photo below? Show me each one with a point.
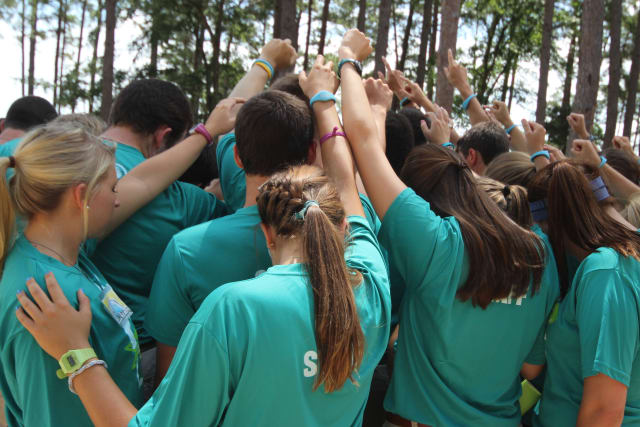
(452, 61)
(25, 320)
(381, 76)
(425, 129)
(57, 296)
(28, 306)
(302, 77)
(84, 305)
(386, 65)
(38, 295)
(526, 126)
(319, 60)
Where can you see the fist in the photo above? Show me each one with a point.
(321, 77)
(355, 45)
(378, 93)
(279, 53)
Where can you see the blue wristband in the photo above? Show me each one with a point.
(323, 95)
(543, 153)
(450, 145)
(465, 103)
(510, 128)
(355, 63)
(404, 101)
(266, 64)
(603, 160)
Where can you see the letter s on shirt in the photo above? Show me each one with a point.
(310, 358)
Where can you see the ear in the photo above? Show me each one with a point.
(471, 158)
(159, 138)
(268, 235)
(236, 157)
(313, 154)
(78, 193)
(344, 225)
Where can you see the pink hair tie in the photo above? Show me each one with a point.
(332, 134)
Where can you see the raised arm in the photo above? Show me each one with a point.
(501, 113)
(336, 155)
(534, 137)
(381, 182)
(143, 183)
(457, 76)
(380, 98)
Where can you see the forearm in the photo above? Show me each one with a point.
(337, 159)
(380, 118)
(540, 162)
(474, 110)
(251, 84)
(619, 185)
(518, 141)
(164, 357)
(598, 417)
(106, 405)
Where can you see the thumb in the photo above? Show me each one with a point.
(84, 305)
(302, 77)
(425, 129)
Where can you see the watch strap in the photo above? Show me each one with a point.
(355, 63)
(73, 360)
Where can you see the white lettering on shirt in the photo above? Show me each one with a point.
(510, 299)
(310, 358)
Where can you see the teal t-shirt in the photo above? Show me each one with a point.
(7, 149)
(249, 353)
(33, 394)
(456, 364)
(129, 255)
(596, 332)
(232, 178)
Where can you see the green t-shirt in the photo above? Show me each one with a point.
(33, 394)
(232, 178)
(456, 364)
(129, 255)
(202, 258)
(596, 332)
(249, 353)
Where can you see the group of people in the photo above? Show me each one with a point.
(284, 264)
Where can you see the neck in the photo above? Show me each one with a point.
(252, 184)
(10, 133)
(287, 251)
(125, 135)
(53, 236)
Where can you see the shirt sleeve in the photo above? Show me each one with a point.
(423, 247)
(607, 318)
(363, 252)
(201, 206)
(169, 309)
(370, 214)
(195, 391)
(232, 178)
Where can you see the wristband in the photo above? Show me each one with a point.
(599, 189)
(332, 134)
(202, 130)
(543, 153)
(355, 63)
(603, 160)
(465, 103)
(510, 128)
(539, 210)
(73, 360)
(323, 95)
(265, 65)
(449, 145)
(94, 362)
(404, 101)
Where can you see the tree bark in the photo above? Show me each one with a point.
(424, 42)
(513, 81)
(84, 11)
(382, 40)
(432, 49)
(57, 57)
(107, 65)
(215, 60)
(323, 26)
(545, 56)
(632, 88)
(406, 36)
(65, 22)
(615, 64)
(23, 18)
(568, 76)
(448, 38)
(284, 25)
(32, 46)
(94, 58)
(305, 65)
(590, 56)
(362, 15)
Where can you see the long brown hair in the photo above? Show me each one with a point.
(512, 199)
(575, 215)
(339, 337)
(504, 258)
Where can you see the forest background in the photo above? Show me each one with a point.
(544, 58)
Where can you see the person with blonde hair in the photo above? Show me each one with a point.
(65, 185)
(514, 168)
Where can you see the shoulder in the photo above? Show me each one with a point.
(606, 273)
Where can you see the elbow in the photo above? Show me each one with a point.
(530, 372)
(601, 415)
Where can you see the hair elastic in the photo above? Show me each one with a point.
(599, 189)
(303, 212)
(603, 160)
(449, 145)
(465, 103)
(539, 210)
(510, 128)
(543, 153)
(332, 134)
(12, 162)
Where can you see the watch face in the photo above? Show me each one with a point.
(71, 361)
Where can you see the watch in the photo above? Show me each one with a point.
(355, 62)
(73, 360)
(202, 130)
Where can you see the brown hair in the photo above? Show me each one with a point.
(512, 199)
(624, 163)
(575, 215)
(514, 168)
(504, 258)
(339, 337)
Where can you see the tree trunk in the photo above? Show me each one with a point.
(545, 56)
(382, 40)
(432, 49)
(407, 35)
(448, 38)
(32, 45)
(94, 58)
(107, 65)
(513, 81)
(77, 67)
(590, 57)
(57, 57)
(362, 15)
(615, 64)
(22, 36)
(215, 60)
(305, 65)
(65, 22)
(198, 56)
(394, 18)
(424, 42)
(323, 26)
(284, 25)
(632, 89)
(568, 76)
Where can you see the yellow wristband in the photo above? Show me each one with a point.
(264, 67)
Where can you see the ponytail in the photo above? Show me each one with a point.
(286, 203)
(7, 214)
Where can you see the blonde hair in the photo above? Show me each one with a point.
(512, 199)
(89, 122)
(631, 211)
(514, 168)
(48, 161)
